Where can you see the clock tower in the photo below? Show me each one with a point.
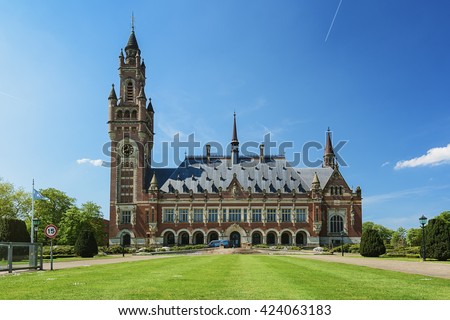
(130, 128)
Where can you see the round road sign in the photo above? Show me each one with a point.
(51, 231)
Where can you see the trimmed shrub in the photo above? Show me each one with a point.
(13, 230)
(437, 239)
(116, 249)
(59, 251)
(86, 245)
(371, 244)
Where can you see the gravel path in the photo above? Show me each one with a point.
(427, 268)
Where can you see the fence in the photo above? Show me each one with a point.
(20, 255)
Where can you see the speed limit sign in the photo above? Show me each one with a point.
(51, 231)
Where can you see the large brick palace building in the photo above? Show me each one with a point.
(248, 200)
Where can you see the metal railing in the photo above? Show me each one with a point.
(20, 255)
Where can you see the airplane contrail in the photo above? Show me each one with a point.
(332, 22)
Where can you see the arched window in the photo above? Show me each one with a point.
(126, 114)
(336, 224)
(134, 114)
(130, 91)
(119, 114)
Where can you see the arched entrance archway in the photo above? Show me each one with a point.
(199, 238)
(169, 238)
(235, 239)
(213, 235)
(271, 238)
(285, 238)
(300, 239)
(256, 238)
(183, 238)
(126, 240)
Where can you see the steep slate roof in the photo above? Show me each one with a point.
(273, 174)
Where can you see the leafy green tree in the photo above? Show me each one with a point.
(385, 233)
(74, 220)
(398, 238)
(437, 239)
(86, 245)
(371, 244)
(444, 216)
(14, 203)
(52, 210)
(414, 237)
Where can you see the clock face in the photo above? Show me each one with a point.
(127, 150)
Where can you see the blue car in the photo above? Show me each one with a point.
(218, 243)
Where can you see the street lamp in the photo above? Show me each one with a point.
(342, 242)
(36, 223)
(423, 222)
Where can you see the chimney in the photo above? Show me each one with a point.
(208, 153)
(261, 152)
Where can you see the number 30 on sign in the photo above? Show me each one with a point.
(51, 231)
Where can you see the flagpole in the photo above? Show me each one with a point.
(32, 213)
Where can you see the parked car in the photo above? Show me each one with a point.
(218, 243)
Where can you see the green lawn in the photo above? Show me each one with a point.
(255, 277)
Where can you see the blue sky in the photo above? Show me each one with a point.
(380, 81)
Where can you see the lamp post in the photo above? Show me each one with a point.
(342, 242)
(423, 222)
(35, 223)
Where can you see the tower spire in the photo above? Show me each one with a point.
(328, 156)
(234, 143)
(132, 21)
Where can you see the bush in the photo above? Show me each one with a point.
(116, 249)
(13, 230)
(59, 251)
(437, 239)
(371, 244)
(354, 248)
(86, 245)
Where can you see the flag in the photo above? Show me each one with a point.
(38, 196)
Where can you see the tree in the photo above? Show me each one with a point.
(371, 244)
(14, 203)
(444, 216)
(86, 245)
(74, 220)
(399, 237)
(414, 237)
(437, 239)
(385, 233)
(52, 210)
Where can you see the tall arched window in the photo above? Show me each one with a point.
(336, 224)
(133, 114)
(130, 91)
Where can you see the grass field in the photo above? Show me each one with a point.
(221, 277)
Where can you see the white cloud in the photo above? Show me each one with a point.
(434, 157)
(95, 163)
(385, 164)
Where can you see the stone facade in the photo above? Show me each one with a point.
(247, 200)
